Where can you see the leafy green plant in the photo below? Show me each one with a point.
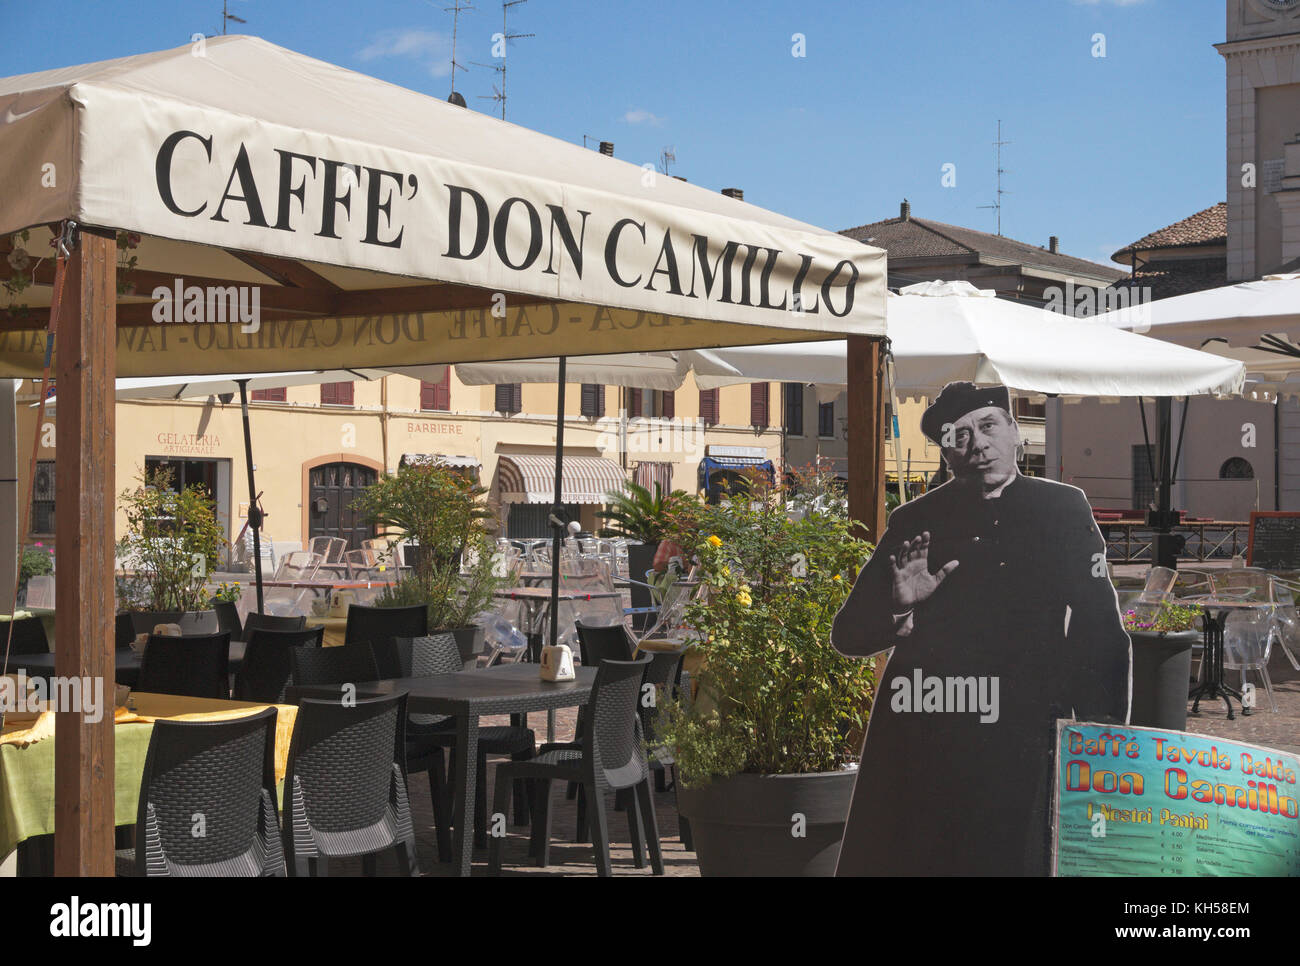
(431, 505)
(226, 593)
(1170, 618)
(774, 697)
(454, 597)
(36, 561)
(171, 543)
(641, 515)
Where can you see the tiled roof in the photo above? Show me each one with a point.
(921, 238)
(1179, 276)
(1208, 227)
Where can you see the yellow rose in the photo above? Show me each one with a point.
(837, 577)
(743, 598)
(715, 540)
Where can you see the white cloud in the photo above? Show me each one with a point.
(641, 116)
(427, 46)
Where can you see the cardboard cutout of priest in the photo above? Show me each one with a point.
(993, 593)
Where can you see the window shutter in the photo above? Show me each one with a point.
(794, 408)
(709, 407)
(633, 403)
(509, 397)
(336, 394)
(593, 400)
(826, 419)
(436, 395)
(270, 395)
(669, 404)
(758, 396)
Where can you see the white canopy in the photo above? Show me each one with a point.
(1238, 314)
(376, 223)
(641, 370)
(947, 331)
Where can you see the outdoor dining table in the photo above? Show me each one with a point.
(27, 759)
(467, 696)
(126, 663)
(1212, 684)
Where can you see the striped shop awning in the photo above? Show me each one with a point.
(531, 479)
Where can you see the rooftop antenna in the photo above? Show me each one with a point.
(667, 157)
(506, 37)
(455, 9)
(1001, 171)
(227, 16)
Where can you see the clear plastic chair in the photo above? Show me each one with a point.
(331, 549)
(362, 565)
(1247, 643)
(299, 565)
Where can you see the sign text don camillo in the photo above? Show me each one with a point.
(341, 202)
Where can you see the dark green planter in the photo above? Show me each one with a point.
(743, 825)
(1162, 665)
(469, 640)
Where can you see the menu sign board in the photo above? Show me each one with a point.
(1145, 802)
(1274, 541)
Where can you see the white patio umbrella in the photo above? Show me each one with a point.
(1248, 314)
(637, 370)
(941, 332)
(1257, 323)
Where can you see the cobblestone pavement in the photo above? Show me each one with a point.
(1280, 730)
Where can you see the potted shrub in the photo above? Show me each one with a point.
(36, 561)
(1163, 636)
(171, 543)
(652, 518)
(437, 511)
(455, 597)
(766, 749)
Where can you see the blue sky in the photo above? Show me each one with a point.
(1104, 149)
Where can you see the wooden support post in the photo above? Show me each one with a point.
(86, 355)
(866, 420)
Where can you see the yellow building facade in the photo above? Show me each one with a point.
(311, 456)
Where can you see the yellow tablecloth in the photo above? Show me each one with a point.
(172, 707)
(335, 629)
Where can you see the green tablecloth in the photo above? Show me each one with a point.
(27, 784)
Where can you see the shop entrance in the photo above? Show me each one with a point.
(212, 477)
(331, 490)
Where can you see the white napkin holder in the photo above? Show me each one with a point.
(557, 663)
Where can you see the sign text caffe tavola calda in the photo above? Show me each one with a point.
(520, 233)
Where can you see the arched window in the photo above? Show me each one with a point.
(1236, 469)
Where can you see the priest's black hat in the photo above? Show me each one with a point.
(958, 399)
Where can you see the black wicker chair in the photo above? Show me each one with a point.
(228, 619)
(123, 630)
(270, 622)
(345, 786)
(439, 654)
(217, 776)
(28, 636)
(381, 626)
(197, 666)
(267, 666)
(664, 674)
(347, 664)
(610, 757)
(596, 644)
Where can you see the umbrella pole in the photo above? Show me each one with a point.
(557, 522)
(1164, 518)
(254, 514)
